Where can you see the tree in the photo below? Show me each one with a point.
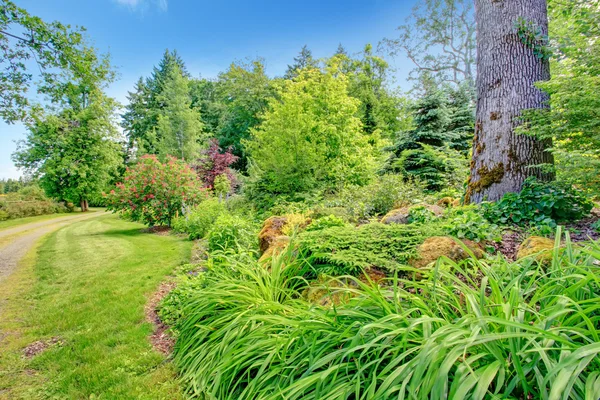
(379, 109)
(244, 92)
(310, 137)
(573, 118)
(439, 38)
(74, 150)
(511, 39)
(147, 102)
(425, 152)
(215, 162)
(302, 61)
(179, 129)
(462, 117)
(55, 47)
(154, 193)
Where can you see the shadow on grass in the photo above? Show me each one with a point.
(119, 232)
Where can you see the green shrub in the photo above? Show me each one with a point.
(539, 204)
(29, 208)
(377, 198)
(230, 232)
(469, 223)
(519, 330)
(420, 215)
(325, 222)
(348, 250)
(199, 220)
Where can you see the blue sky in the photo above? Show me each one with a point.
(209, 35)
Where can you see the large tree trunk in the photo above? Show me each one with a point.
(84, 205)
(507, 69)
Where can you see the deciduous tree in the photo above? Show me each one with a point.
(511, 41)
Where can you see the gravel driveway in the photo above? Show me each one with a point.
(27, 235)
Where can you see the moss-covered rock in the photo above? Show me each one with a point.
(276, 247)
(536, 245)
(272, 228)
(448, 202)
(277, 226)
(402, 215)
(438, 246)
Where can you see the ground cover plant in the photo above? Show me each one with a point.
(508, 330)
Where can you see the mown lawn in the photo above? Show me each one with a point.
(38, 218)
(87, 286)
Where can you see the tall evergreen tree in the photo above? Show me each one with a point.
(462, 117)
(147, 103)
(423, 152)
(303, 60)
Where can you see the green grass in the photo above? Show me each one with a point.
(88, 286)
(38, 218)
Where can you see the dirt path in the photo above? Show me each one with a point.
(16, 248)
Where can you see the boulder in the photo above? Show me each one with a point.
(448, 202)
(401, 215)
(271, 230)
(276, 247)
(536, 245)
(438, 246)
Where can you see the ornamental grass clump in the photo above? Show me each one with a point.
(474, 329)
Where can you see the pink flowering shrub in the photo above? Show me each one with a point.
(153, 192)
(214, 162)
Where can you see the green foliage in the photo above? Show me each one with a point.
(179, 129)
(349, 250)
(172, 308)
(469, 223)
(231, 232)
(304, 60)
(310, 138)
(420, 215)
(383, 194)
(596, 226)
(539, 204)
(243, 94)
(573, 116)
(435, 150)
(30, 208)
(328, 221)
(222, 185)
(153, 192)
(30, 44)
(476, 329)
(380, 109)
(149, 101)
(198, 221)
(531, 35)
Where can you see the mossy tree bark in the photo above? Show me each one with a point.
(508, 68)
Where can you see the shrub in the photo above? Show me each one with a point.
(153, 192)
(215, 162)
(325, 222)
(469, 223)
(199, 219)
(377, 198)
(518, 331)
(230, 232)
(349, 250)
(29, 208)
(539, 204)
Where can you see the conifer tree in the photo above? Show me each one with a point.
(303, 60)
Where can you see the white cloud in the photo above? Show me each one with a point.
(143, 4)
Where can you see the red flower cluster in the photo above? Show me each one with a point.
(153, 192)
